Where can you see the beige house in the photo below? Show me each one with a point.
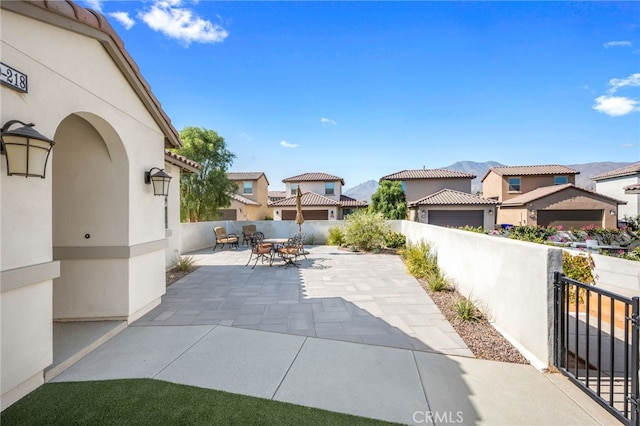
(322, 198)
(88, 240)
(251, 200)
(560, 205)
(620, 184)
(443, 197)
(546, 195)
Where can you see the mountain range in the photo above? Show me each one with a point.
(365, 190)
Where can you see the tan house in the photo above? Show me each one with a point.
(84, 234)
(322, 198)
(620, 184)
(560, 205)
(443, 197)
(546, 195)
(251, 200)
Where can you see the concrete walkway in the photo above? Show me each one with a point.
(346, 332)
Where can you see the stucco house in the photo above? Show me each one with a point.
(251, 200)
(87, 240)
(620, 184)
(322, 198)
(546, 195)
(443, 197)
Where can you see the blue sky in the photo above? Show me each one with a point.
(365, 89)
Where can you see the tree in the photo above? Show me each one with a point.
(202, 194)
(389, 200)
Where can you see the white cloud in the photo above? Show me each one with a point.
(627, 145)
(288, 145)
(181, 23)
(616, 83)
(325, 120)
(617, 44)
(246, 137)
(615, 106)
(123, 18)
(94, 4)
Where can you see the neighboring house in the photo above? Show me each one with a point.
(87, 242)
(565, 205)
(175, 165)
(623, 184)
(276, 195)
(443, 197)
(448, 207)
(251, 200)
(322, 198)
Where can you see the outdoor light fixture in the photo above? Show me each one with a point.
(423, 214)
(160, 180)
(26, 150)
(490, 212)
(532, 214)
(612, 212)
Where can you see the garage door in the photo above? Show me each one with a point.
(570, 218)
(308, 214)
(228, 214)
(456, 218)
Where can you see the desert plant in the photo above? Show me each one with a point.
(466, 309)
(336, 236)
(183, 263)
(534, 234)
(477, 229)
(365, 230)
(580, 268)
(311, 239)
(438, 282)
(395, 239)
(420, 260)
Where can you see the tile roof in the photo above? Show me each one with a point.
(314, 177)
(453, 198)
(428, 174)
(244, 200)
(545, 191)
(632, 189)
(347, 201)
(112, 44)
(246, 176)
(183, 162)
(308, 199)
(549, 169)
(277, 194)
(633, 169)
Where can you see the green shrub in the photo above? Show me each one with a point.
(311, 239)
(336, 236)
(579, 268)
(184, 263)
(420, 261)
(365, 230)
(477, 229)
(466, 310)
(438, 282)
(395, 239)
(534, 234)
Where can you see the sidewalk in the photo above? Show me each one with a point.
(355, 337)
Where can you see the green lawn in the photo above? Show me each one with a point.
(154, 402)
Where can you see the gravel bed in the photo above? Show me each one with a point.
(480, 336)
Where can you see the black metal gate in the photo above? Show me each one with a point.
(596, 344)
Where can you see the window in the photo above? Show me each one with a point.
(514, 184)
(403, 184)
(294, 188)
(560, 180)
(329, 188)
(247, 188)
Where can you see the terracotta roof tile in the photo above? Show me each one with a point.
(550, 169)
(244, 200)
(314, 177)
(545, 191)
(182, 162)
(277, 194)
(93, 19)
(246, 176)
(452, 197)
(632, 189)
(347, 201)
(428, 174)
(633, 169)
(308, 199)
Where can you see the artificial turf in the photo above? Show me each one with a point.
(155, 402)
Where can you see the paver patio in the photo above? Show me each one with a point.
(335, 294)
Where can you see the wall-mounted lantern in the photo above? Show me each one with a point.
(490, 212)
(612, 212)
(423, 214)
(532, 214)
(160, 180)
(25, 149)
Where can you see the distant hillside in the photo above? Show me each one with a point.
(583, 180)
(364, 191)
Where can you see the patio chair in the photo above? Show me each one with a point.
(260, 249)
(247, 233)
(290, 251)
(299, 241)
(223, 238)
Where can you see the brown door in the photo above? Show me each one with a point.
(456, 218)
(307, 214)
(570, 218)
(229, 214)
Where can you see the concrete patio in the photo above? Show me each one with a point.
(346, 332)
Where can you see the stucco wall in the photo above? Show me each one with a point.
(318, 188)
(615, 188)
(420, 188)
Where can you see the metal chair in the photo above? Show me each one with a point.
(260, 250)
(223, 238)
(247, 232)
